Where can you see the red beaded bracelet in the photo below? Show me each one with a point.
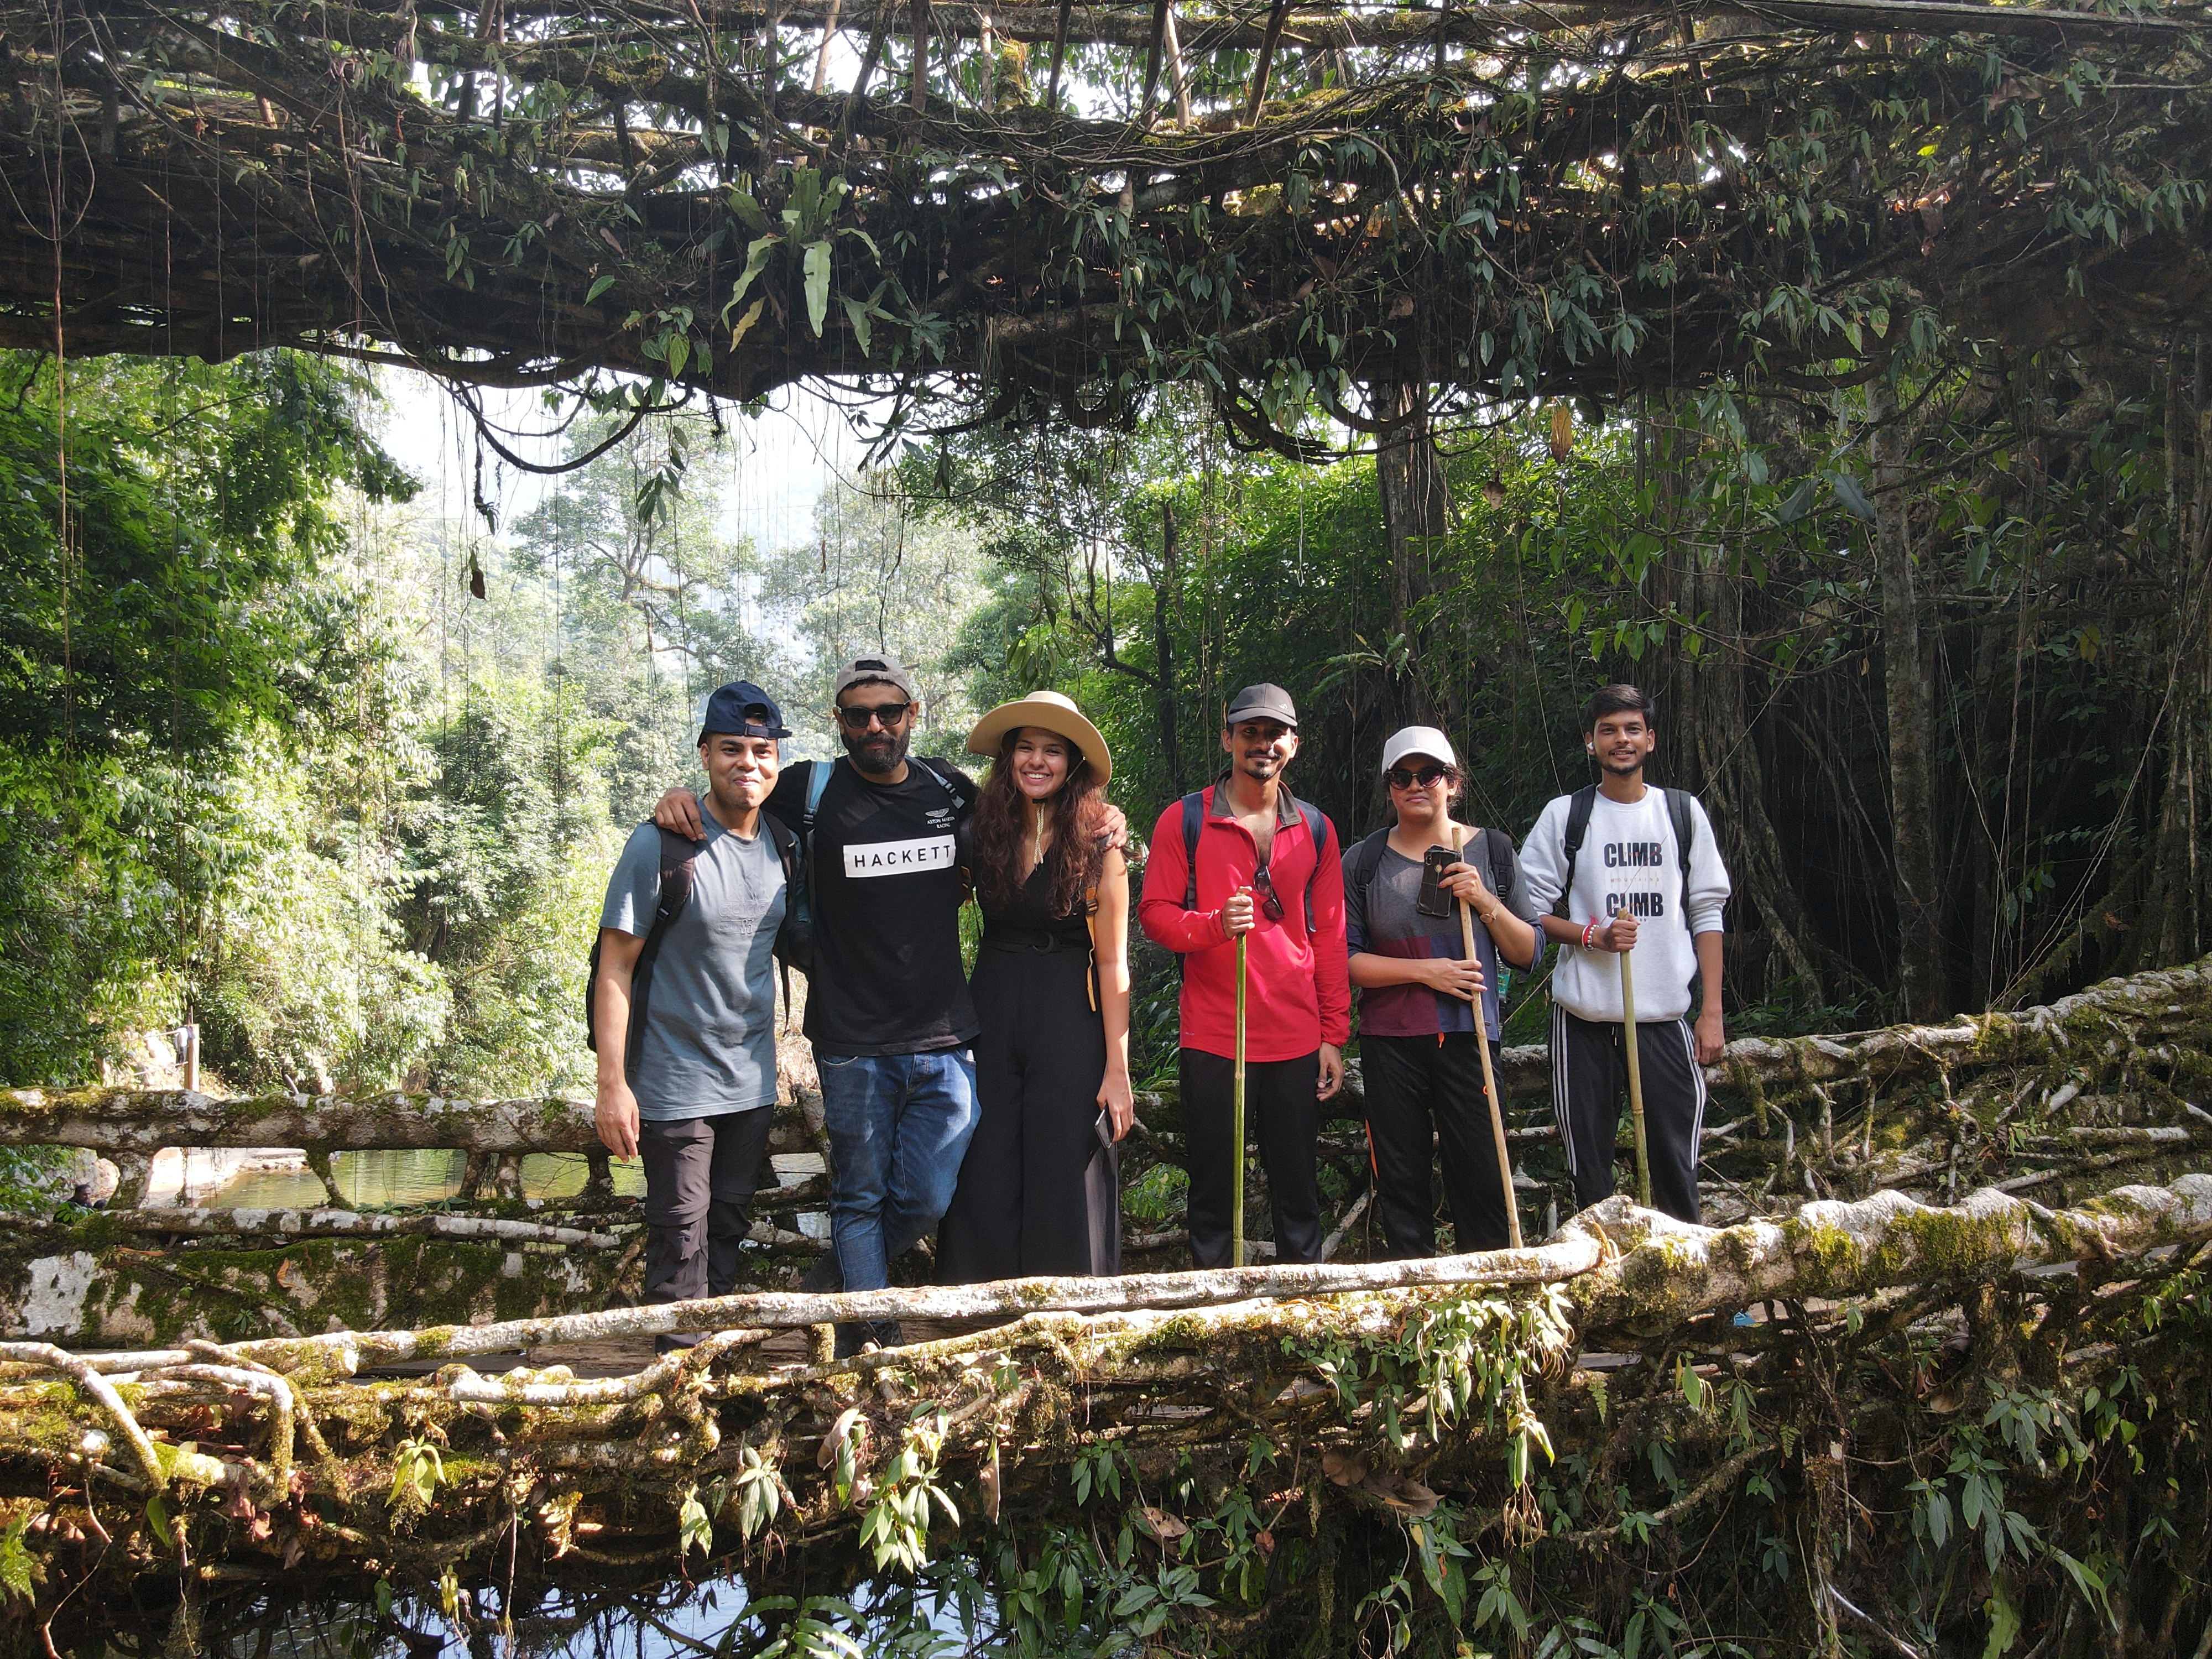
(1589, 932)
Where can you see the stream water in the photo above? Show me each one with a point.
(407, 1178)
(944, 1614)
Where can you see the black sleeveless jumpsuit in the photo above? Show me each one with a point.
(1038, 1192)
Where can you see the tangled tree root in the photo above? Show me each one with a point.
(1878, 1420)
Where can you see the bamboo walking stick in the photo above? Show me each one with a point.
(1482, 1047)
(1236, 1121)
(1635, 1080)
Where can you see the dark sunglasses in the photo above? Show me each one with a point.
(890, 714)
(1404, 777)
(1263, 884)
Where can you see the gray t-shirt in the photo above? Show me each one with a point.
(708, 1044)
(1381, 919)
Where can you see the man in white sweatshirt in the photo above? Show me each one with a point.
(1640, 870)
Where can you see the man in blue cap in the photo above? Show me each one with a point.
(684, 966)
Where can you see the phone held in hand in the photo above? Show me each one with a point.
(1434, 901)
(1104, 1128)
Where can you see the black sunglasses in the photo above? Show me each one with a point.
(1270, 906)
(890, 714)
(1404, 777)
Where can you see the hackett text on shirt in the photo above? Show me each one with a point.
(899, 858)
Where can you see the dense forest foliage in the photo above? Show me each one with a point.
(288, 757)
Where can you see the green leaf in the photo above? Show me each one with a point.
(2004, 1622)
(816, 268)
(756, 258)
(856, 313)
(1853, 498)
(695, 1531)
(157, 1516)
(19, 1571)
(600, 287)
(755, 217)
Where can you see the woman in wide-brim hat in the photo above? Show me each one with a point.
(1040, 1187)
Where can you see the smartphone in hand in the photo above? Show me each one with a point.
(1434, 901)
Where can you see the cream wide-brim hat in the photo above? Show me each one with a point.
(1055, 713)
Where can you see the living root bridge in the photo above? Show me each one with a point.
(2158, 1021)
(397, 1475)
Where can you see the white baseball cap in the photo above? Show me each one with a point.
(1417, 740)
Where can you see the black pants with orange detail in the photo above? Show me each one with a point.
(1424, 1096)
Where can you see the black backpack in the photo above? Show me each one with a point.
(678, 854)
(1194, 814)
(1677, 803)
(1362, 862)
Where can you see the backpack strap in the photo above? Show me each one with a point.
(1579, 808)
(1497, 850)
(1194, 814)
(1318, 830)
(787, 852)
(1685, 830)
(817, 780)
(959, 799)
(1365, 860)
(678, 854)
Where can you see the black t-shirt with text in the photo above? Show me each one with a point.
(887, 978)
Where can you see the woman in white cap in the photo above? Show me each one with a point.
(1418, 994)
(1040, 1187)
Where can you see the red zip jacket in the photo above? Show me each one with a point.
(1296, 995)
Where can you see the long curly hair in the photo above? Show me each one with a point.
(999, 833)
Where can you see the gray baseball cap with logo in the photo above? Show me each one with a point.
(1263, 701)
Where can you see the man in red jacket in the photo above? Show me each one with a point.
(1269, 867)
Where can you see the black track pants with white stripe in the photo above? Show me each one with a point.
(1589, 1093)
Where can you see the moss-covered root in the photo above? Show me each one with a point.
(1666, 1271)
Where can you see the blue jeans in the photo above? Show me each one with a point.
(899, 1125)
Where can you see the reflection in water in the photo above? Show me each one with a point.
(372, 1180)
(945, 1614)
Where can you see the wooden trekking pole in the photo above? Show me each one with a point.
(1236, 1120)
(1482, 1047)
(1635, 1080)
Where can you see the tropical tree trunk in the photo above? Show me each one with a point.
(1167, 601)
(1905, 685)
(1416, 501)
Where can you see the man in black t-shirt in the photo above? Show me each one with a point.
(887, 1004)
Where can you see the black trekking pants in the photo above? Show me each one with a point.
(1281, 1114)
(700, 1173)
(1589, 1087)
(1424, 1091)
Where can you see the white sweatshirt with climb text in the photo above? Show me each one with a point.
(1629, 862)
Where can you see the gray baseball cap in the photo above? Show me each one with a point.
(876, 665)
(1263, 701)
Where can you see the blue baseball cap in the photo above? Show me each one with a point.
(742, 709)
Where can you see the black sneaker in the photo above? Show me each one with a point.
(824, 1275)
